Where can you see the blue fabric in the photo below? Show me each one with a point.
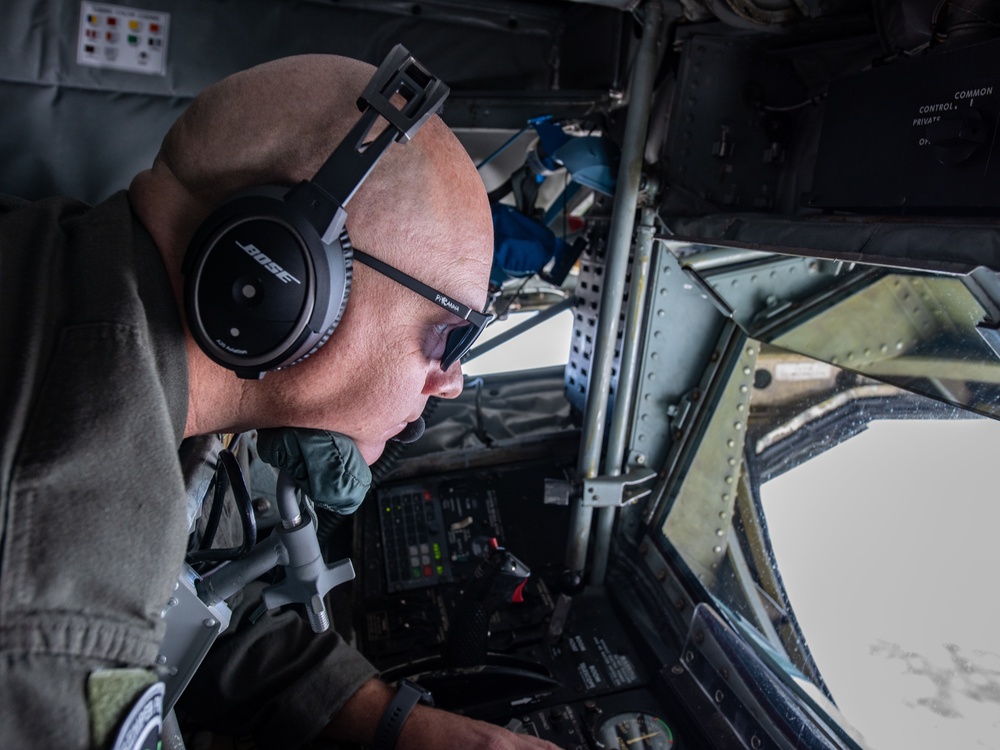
(521, 246)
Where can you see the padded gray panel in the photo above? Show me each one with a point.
(84, 131)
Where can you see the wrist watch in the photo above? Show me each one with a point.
(408, 694)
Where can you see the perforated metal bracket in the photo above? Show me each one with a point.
(618, 491)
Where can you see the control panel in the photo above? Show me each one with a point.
(430, 547)
(413, 537)
(918, 134)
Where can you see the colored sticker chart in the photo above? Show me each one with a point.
(128, 39)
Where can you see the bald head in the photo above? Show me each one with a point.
(278, 122)
(423, 209)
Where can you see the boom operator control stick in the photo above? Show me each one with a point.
(294, 547)
(307, 576)
(499, 579)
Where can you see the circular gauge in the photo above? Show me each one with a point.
(634, 730)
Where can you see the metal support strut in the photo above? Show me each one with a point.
(622, 223)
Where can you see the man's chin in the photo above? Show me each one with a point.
(370, 450)
(405, 432)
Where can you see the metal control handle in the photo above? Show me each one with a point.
(307, 576)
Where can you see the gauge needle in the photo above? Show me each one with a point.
(644, 737)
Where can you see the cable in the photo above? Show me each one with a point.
(220, 483)
(814, 100)
(227, 474)
(511, 300)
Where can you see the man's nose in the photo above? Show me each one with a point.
(444, 383)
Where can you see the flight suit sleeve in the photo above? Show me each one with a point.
(272, 678)
(268, 676)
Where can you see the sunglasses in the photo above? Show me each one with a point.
(460, 339)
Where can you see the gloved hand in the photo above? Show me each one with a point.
(325, 465)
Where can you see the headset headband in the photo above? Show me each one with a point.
(336, 182)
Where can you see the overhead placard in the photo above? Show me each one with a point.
(130, 39)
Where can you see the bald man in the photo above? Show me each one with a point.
(101, 379)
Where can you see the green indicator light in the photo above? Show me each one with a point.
(440, 570)
(437, 551)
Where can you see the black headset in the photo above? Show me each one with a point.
(268, 273)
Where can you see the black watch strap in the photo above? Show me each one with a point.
(408, 694)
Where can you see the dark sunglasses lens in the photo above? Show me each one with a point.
(460, 340)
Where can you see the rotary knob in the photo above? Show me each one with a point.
(956, 137)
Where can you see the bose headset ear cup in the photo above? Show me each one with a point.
(347, 253)
(262, 290)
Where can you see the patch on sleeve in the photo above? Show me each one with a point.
(126, 709)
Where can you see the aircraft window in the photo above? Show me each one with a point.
(851, 545)
(545, 345)
(883, 544)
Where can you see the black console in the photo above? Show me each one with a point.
(425, 543)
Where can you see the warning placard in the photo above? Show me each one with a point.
(130, 39)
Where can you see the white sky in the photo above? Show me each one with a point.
(887, 545)
(544, 345)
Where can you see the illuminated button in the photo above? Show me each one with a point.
(426, 560)
(92, 19)
(134, 25)
(154, 28)
(428, 571)
(415, 572)
(112, 21)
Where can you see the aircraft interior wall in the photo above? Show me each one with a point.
(84, 130)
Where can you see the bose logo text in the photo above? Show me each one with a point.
(442, 300)
(254, 252)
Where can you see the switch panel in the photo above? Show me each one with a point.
(917, 134)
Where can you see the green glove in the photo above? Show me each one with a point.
(326, 465)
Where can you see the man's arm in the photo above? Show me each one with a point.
(425, 729)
